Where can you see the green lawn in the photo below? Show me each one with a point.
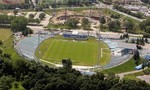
(126, 67)
(20, 87)
(4, 34)
(80, 52)
(7, 47)
(134, 75)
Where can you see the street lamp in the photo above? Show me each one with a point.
(39, 33)
(54, 12)
(98, 58)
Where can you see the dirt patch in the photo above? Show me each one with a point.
(146, 78)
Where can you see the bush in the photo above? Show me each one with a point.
(121, 37)
(147, 71)
(132, 41)
(146, 40)
(31, 16)
(16, 85)
(1, 43)
(6, 55)
(1, 51)
(42, 16)
(146, 35)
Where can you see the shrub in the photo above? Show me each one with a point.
(1, 43)
(6, 55)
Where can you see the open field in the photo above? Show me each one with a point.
(7, 47)
(80, 52)
(134, 75)
(126, 67)
(4, 34)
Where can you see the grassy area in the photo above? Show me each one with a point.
(4, 34)
(7, 47)
(50, 11)
(128, 66)
(109, 12)
(134, 75)
(61, 26)
(80, 52)
(20, 87)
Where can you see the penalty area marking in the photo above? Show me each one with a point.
(102, 52)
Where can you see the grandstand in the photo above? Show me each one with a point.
(76, 35)
(119, 55)
(28, 45)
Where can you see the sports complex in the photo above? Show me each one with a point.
(82, 47)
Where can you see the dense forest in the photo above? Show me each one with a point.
(34, 76)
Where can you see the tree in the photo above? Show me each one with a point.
(31, 16)
(137, 41)
(121, 37)
(67, 63)
(102, 20)
(1, 51)
(148, 29)
(128, 25)
(145, 25)
(136, 28)
(19, 24)
(132, 41)
(16, 85)
(41, 16)
(136, 57)
(6, 55)
(72, 22)
(37, 20)
(1, 43)
(142, 41)
(15, 12)
(146, 40)
(5, 82)
(85, 23)
(114, 25)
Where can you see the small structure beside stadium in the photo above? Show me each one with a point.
(76, 35)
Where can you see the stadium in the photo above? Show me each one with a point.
(81, 47)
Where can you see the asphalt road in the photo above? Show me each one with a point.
(102, 5)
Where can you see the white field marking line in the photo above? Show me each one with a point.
(47, 62)
(74, 66)
(102, 52)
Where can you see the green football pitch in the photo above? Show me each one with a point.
(80, 52)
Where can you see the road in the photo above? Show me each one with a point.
(121, 75)
(102, 5)
(45, 22)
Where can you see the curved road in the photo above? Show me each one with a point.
(102, 5)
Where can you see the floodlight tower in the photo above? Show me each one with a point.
(54, 11)
(98, 56)
(98, 35)
(90, 8)
(39, 33)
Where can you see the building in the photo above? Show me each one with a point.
(76, 35)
